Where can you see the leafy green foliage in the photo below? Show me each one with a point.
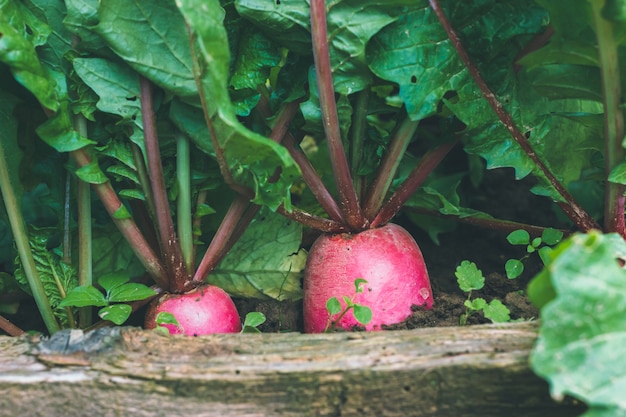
(549, 237)
(252, 321)
(362, 314)
(117, 289)
(266, 262)
(582, 335)
(58, 278)
(470, 278)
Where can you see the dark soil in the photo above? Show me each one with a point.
(504, 198)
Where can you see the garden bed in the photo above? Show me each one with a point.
(448, 371)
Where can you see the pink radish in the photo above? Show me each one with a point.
(386, 257)
(205, 310)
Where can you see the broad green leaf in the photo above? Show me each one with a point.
(151, 37)
(333, 306)
(166, 318)
(513, 268)
(266, 262)
(362, 314)
(469, 277)
(351, 25)
(91, 173)
(618, 174)
(253, 320)
(17, 51)
(518, 237)
(112, 281)
(477, 304)
(57, 277)
(497, 312)
(358, 285)
(582, 338)
(84, 296)
(131, 291)
(252, 158)
(551, 236)
(117, 313)
(111, 252)
(117, 87)
(82, 17)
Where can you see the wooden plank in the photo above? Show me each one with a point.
(448, 371)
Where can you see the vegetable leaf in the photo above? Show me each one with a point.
(582, 337)
(469, 276)
(266, 262)
(84, 296)
(117, 313)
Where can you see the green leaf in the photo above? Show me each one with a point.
(518, 237)
(582, 338)
(117, 87)
(166, 318)
(351, 25)
(357, 285)
(252, 158)
(333, 306)
(618, 173)
(152, 39)
(497, 312)
(91, 173)
(132, 291)
(17, 51)
(266, 262)
(59, 132)
(477, 304)
(112, 280)
(117, 313)
(84, 296)
(551, 236)
(362, 314)
(254, 319)
(57, 277)
(536, 242)
(513, 268)
(469, 276)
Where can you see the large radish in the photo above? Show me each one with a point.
(386, 257)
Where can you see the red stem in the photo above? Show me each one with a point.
(165, 226)
(348, 200)
(575, 212)
(10, 328)
(415, 179)
(126, 226)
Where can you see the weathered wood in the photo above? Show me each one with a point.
(469, 371)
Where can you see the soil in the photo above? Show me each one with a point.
(504, 198)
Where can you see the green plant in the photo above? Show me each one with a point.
(118, 292)
(362, 313)
(470, 278)
(252, 321)
(542, 245)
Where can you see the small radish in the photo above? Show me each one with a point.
(205, 310)
(387, 257)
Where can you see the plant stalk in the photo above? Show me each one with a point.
(168, 241)
(10, 328)
(415, 179)
(388, 167)
(183, 212)
(613, 119)
(348, 200)
(572, 209)
(23, 246)
(85, 247)
(359, 131)
(126, 225)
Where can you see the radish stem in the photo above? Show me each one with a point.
(170, 247)
(613, 119)
(571, 208)
(348, 200)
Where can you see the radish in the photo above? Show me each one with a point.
(204, 310)
(387, 257)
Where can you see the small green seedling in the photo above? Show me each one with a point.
(252, 321)
(471, 278)
(164, 319)
(117, 289)
(549, 237)
(362, 314)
